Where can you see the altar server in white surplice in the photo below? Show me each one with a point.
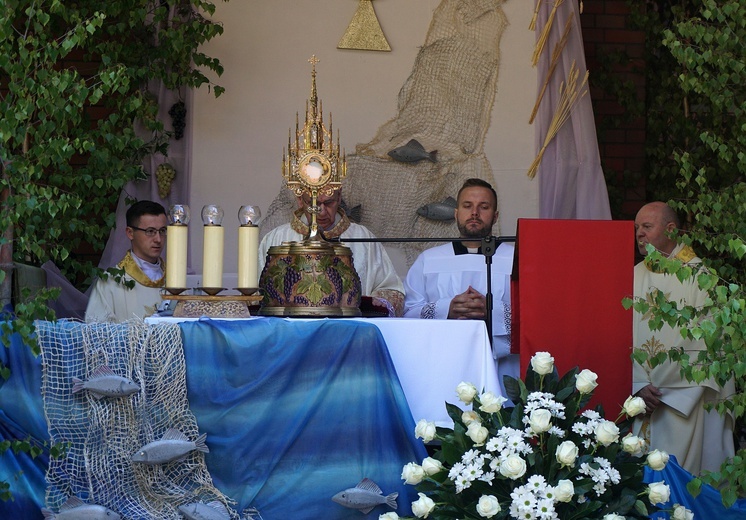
(450, 281)
(113, 301)
(378, 277)
(676, 420)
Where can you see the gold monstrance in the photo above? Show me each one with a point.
(312, 277)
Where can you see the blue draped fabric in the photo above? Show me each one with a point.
(294, 411)
(708, 503)
(297, 412)
(22, 418)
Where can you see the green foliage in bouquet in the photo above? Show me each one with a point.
(547, 457)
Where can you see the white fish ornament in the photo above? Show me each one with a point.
(364, 497)
(105, 383)
(75, 509)
(200, 511)
(172, 446)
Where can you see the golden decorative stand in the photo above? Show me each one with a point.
(228, 306)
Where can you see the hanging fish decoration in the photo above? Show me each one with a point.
(172, 446)
(439, 210)
(75, 509)
(105, 383)
(214, 510)
(364, 497)
(412, 152)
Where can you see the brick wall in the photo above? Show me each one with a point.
(606, 32)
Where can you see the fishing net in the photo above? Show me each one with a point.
(445, 104)
(99, 436)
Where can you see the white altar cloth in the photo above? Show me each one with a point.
(431, 358)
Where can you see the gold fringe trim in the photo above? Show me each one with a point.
(568, 97)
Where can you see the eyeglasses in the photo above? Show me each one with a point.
(151, 231)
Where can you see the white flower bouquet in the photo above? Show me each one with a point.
(545, 458)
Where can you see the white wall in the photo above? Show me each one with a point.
(238, 138)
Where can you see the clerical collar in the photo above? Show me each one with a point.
(460, 249)
(153, 271)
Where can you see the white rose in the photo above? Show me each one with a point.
(477, 433)
(658, 493)
(634, 406)
(657, 460)
(566, 453)
(613, 516)
(513, 467)
(412, 473)
(469, 417)
(466, 392)
(431, 466)
(585, 381)
(633, 445)
(607, 433)
(542, 363)
(388, 516)
(564, 490)
(681, 513)
(540, 420)
(423, 506)
(488, 506)
(425, 430)
(491, 403)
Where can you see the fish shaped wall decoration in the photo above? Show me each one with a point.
(75, 509)
(439, 210)
(172, 446)
(105, 383)
(214, 510)
(364, 497)
(412, 152)
(354, 214)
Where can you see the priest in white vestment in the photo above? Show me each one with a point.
(378, 277)
(676, 420)
(116, 302)
(450, 281)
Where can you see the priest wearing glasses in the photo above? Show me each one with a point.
(138, 295)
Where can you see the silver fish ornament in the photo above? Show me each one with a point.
(364, 497)
(200, 511)
(412, 152)
(105, 383)
(439, 210)
(172, 446)
(75, 509)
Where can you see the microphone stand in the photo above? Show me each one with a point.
(489, 246)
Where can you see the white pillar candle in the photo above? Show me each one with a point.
(212, 257)
(248, 254)
(176, 256)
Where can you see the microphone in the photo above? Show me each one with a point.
(489, 246)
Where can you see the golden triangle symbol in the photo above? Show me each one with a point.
(364, 32)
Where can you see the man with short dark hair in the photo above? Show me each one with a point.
(112, 301)
(450, 281)
(676, 420)
(378, 277)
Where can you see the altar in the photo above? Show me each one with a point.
(294, 410)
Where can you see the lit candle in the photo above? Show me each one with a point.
(212, 252)
(248, 247)
(176, 246)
